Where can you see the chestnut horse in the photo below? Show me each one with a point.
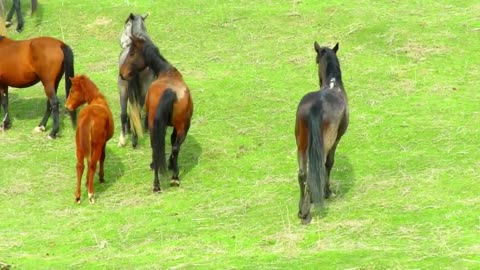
(94, 129)
(24, 63)
(168, 103)
(322, 119)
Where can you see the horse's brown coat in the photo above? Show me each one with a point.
(95, 128)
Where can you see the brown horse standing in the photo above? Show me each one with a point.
(322, 119)
(95, 128)
(26, 62)
(168, 103)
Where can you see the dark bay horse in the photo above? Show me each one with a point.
(24, 63)
(322, 119)
(133, 91)
(168, 103)
(94, 129)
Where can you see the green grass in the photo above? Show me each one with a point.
(406, 172)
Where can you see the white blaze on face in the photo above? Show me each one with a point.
(125, 40)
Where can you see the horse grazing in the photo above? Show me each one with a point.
(321, 120)
(168, 103)
(94, 129)
(134, 89)
(23, 63)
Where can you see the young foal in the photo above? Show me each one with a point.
(95, 128)
(168, 103)
(322, 119)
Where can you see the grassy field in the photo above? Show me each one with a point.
(406, 172)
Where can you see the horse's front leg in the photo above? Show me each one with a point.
(122, 88)
(4, 100)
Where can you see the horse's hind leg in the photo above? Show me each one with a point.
(102, 160)
(173, 138)
(304, 203)
(92, 167)
(4, 100)
(329, 165)
(80, 168)
(122, 86)
(179, 138)
(43, 123)
(54, 104)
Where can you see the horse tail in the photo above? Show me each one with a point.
(163, 115)
(316, 175)
(85, 134)
(69, 73)
(135, 98)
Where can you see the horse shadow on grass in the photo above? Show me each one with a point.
(114, 169)
(189, 155)
(342, 179)
(33, 108)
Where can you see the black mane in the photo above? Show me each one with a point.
(153, 58)
(332, 68)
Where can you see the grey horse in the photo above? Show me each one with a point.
(135, 89)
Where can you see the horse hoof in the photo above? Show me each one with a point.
(77, 200)
(91, 198)
(175, 183)
(122, 143)
(39, 129)
(157, 190)
(52, 137)
(306, 220)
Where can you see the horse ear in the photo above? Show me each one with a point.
(144, 17)
(317, 47)
(131, 16)
(335, 49)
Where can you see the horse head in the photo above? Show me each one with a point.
(327, 62)
(134, 25)
(135, 60)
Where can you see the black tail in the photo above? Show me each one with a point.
(163, 116)
(136, 101)
(316, 175)
(69, 73)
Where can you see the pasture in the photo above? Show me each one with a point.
(406, 171)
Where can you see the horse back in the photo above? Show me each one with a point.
(183, 106)
(100, 120)
(333, 108)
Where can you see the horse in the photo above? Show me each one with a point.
(95, 127)
(168, 103)
(16, 8)
(24, 63)
(321, 121)
(133, 90)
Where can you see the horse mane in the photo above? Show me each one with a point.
(89, 89)
(154, 59)
(332, 65)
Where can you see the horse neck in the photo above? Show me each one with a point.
(157, 63)
(333, 75)
(94, 97)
